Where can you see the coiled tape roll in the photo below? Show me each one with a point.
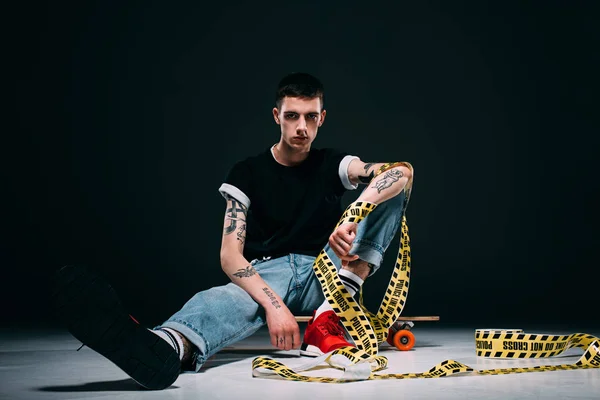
(368, 330)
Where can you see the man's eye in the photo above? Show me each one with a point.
(313, 117)
(291, 116)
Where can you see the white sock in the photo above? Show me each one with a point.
(351, 281)
(171, 337)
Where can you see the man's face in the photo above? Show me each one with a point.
(300, 119)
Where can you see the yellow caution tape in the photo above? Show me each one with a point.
(266, 367)
(517, 344)
(368, 329)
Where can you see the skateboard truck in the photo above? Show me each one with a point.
(400, 333)
(400, 325)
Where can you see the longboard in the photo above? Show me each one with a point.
(400, 336)
(400, 318)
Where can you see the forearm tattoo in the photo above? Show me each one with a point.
(245, 272)
(369, 175)
(391, 176)
(271, 297)
(236, 215)
(241, 235)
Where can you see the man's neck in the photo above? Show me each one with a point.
(284, 155)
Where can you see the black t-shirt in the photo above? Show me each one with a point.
(290, 209)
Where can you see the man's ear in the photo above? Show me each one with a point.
(323, 113)
(276, 115)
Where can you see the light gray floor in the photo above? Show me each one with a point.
(44, 364)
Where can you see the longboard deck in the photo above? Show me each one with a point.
(401, 318)
(303, 318)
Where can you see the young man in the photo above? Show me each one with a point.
(282, 207)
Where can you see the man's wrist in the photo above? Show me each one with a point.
(270, 301)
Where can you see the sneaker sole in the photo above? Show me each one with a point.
(308, 350)
(93, 314)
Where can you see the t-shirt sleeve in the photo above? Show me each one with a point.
(343, 172)
(237, 184)
(340, 161)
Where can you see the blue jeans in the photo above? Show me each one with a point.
(218, 317)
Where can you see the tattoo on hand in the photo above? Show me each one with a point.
(233, 217)
(272, 298)
(388, 179)
(245, 272)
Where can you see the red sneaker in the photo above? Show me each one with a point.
(323, 335)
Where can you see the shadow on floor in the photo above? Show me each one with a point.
(229, 356)
(123, 385)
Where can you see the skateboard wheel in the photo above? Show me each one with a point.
(404, 340)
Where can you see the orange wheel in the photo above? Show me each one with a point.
(404, 340)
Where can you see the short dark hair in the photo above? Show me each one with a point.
(299, 84)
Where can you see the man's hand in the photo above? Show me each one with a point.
(283, 328)
(341, 240)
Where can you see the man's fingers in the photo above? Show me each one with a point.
(288, 342)
(344, 246)
(341, 249)
(278, 338)
(274, 340)
(340, 246)
(337, 249)
(292, 340)
(347, 238)
(287, 339)
(296, 338)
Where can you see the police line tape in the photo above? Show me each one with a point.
(368, 330)
(358, 366)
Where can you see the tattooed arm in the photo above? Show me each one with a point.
(384, 186)
(233, 262)
(380, 188)
(283, 328)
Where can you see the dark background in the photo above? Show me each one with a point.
(123, 118)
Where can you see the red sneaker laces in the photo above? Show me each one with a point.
(332, 326)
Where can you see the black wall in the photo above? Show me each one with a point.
(123, 118)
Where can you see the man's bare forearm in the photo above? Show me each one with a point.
(386, 185)
(239, 270)
(235, 265)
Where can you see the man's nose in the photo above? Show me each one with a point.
(301, 124)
